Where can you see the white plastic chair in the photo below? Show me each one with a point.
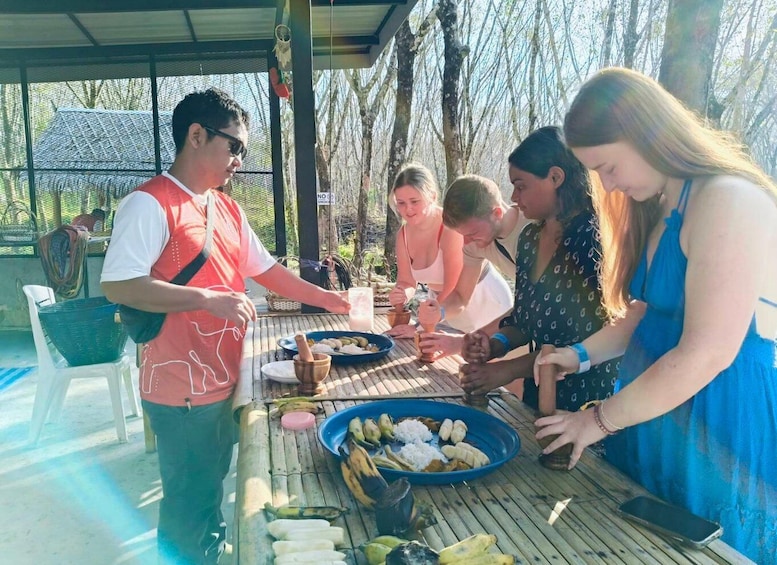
(54, 375)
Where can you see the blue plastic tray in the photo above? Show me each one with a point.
(489, 434)
(384, 343)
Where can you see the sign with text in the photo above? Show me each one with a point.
(325, 198)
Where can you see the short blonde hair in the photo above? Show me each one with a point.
(470, 196)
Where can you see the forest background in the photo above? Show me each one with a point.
(463, 82)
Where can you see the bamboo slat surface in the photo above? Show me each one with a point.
(515, 502)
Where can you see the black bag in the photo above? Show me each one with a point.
(144, 326)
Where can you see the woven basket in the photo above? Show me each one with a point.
(17, 224)
(278, 303)
(84, 331)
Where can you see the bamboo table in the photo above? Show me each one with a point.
(540, 516)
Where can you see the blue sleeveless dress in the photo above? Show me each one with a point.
(716, 454)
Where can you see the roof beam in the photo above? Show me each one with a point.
(103, 7)
(110, 51)
(82, 29)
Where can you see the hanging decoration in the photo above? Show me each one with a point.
(282, 48)
(280, 83)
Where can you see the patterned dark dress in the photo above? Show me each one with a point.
(563, 307)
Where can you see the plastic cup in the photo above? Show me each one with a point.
(362, 315)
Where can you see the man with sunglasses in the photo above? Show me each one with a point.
(189, 371)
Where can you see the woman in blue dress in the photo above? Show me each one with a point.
(689, 232)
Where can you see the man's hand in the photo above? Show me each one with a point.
(402, 331)
(233, 306)
(335, 302)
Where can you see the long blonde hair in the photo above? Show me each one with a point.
(619, 104)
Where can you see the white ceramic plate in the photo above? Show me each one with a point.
(280, 372)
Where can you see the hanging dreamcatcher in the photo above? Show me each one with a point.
(280, 76)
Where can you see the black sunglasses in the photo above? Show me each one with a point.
(236, 147)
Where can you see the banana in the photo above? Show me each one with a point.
(280, 528)
(490, 559)
(390, 541)
(282, 547)
(278, 402)
(360, 474)
(356, 433)
(386, 463)
(299, 406)
(329, 513)
(371, 432)
(375, 552)
(459, 432)
(386, 425)
(467, 549)
(445, 429)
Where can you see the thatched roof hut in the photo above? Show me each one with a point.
(111, 150)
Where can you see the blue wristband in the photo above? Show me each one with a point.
(582, 356)
(442, 313)
(502, 338)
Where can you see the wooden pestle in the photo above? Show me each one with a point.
(547, 385)
(559, 459)
(304, 349)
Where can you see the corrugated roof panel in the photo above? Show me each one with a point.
(233, 24)
(49, 30)
(136, 27)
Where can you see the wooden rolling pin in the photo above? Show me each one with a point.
(302, 346)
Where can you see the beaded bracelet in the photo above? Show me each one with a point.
(598, 420)
(607, 422)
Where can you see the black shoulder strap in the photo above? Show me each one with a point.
(504, 251)
(191, 269)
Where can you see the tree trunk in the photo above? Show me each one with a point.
(368, 129)
(404, 45)
(534, 54)
(689, 47)
(454, 57)
(326, 221)
(630, 36)
(609, 28)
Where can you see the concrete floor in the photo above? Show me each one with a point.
(79, 496)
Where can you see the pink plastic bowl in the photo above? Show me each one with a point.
(298, 420)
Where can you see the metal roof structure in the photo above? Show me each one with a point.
(102, 39)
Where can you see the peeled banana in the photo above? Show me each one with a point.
(467, 549)
(283, 547)
(329, 513)
(334, 534)
(313, 556)
(360, 474)
(458, 432)
(281, 528)
(445, 429)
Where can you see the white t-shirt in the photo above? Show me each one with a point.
(140, 233)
